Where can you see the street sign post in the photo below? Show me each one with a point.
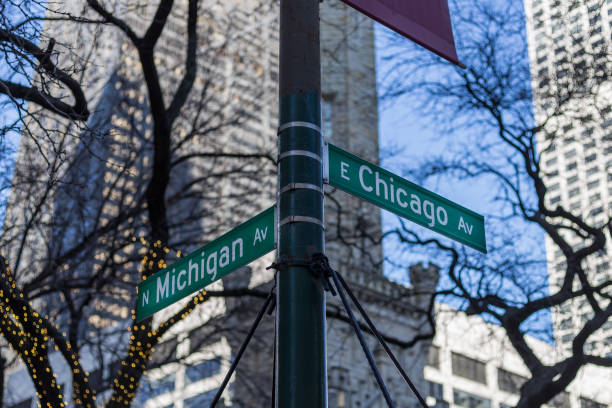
(408, 200)
(213, 261)
(301, 369)
(426, 22)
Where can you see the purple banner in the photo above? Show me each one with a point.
(426, 22)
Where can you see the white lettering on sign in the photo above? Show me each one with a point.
(211, 267)
(193, 267)
(415, 204)
(234, 245)
(361, 170)
(173, 282)
(224, 258)
(145, 298)
(179, 285)
(401, 192)
(380, 182)
(343, 169)
(162, 288)
(428, 210)
(442, 215)
(467, 228)
(203, 269)
(397, 195)
(260, 235)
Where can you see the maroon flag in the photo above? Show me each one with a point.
(426, 22)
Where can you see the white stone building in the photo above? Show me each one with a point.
(472, 364)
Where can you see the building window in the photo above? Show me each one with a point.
(567, 338)
(203, 370)
(592, 170)
(560, 401)
(589, 145)
(593, 184)
(566, 324)
(594, 198)
(596, 211)
(469, 368)
(603, 267)
(23, 404)
(509, 382)
(338, 398)
(570, 154)
(433, 356)
(435, 390)
(96, 381)
(201, 400)
(466, 400)
(153, 388)
(588, 403)
(594, 8)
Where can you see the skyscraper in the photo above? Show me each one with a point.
(569, 43)
(232, 109)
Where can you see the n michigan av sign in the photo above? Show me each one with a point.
(211, 262)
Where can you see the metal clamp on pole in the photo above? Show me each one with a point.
(301, 186)
(304, 153)
(299, 218)
(288, 125)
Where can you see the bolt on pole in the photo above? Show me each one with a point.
(301, 371)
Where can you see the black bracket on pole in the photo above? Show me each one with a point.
(320, 266)
(267, 306)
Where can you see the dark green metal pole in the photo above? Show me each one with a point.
(301, 364)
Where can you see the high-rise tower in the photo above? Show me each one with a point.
(569, 43)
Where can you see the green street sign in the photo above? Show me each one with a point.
(213, 261)
(396, 194)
